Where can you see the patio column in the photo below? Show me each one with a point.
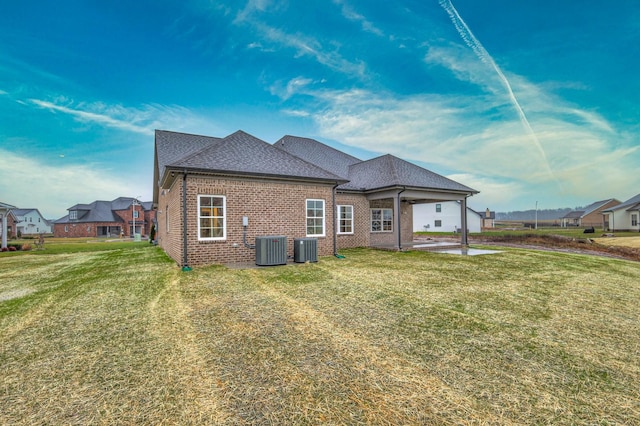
(463, 222)
(3, 216)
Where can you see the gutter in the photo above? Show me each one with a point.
(335, 223)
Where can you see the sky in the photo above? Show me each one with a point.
(531, 103)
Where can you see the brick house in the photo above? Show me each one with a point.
(106, 219)
(592, 215)
(214, 196)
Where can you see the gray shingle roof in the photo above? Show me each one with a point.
(101, 211)
(337, 162)
(241, 153)
(173, 146)
(632, 203)
(387, 171)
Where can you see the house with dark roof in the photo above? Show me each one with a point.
(215, 196)
(590, 216)
(122, 217)
(623, 216)
(444, 217)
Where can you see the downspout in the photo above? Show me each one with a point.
(185, 262)
(399, 214)
(335, 223)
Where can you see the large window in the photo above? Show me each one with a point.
(381, 220)
(345, 219)
(315, 218)
(211, 217)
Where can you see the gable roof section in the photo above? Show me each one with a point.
(337, 162)
(102, 211)
(390, 171)
(246, 155)
(632, 203)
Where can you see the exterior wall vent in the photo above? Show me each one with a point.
(305, 250)
(271, 250)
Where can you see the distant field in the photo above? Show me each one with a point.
(123, 336)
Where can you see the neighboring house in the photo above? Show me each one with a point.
(8, 221)
(106, 219)
(592, 215)
(443, 217)
(624, 216)
(216, 195)
(488, 219)
(30, 222)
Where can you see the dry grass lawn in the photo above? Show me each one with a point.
(631, 242)
(125, 337)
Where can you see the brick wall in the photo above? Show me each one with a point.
(79, 230)
(361, 221)
(273, 208)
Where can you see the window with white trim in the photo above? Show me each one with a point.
(136, 214)
(345, 219)
(212, 220)
(73, 215)
(315, 218)
(381, 220)
(438, 208)
(634, 220)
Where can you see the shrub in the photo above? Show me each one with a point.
(12, 248)
(4, 249)
(26, 247)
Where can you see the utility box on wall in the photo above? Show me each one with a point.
(305, 250)
(271, 250)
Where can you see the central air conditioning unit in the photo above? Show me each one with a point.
(305, 250)
(271, 251)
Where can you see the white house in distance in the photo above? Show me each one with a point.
(443, 217)
(625, 216)
(31, 222)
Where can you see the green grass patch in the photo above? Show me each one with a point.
(123, 336)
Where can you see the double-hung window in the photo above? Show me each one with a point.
(212, 219)
(345, 219)
(315, 218)
(438, 208)
(381, 220)
(634, 220)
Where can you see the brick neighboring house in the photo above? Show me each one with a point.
(206, 189)
(624, 216)
(591, 216)
(106, 219)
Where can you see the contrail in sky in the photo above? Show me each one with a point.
(484, 56)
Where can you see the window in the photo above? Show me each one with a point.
(73, 215)
(381, 220)
(135, 214)
(438, 224)
(634, 220)
(345, 219)
(438, 208)
(211, 217)
(66, 228)
(315, 218)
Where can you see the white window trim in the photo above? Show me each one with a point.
(340, 219)
(324, 209)
(224, 218)
(382, 210)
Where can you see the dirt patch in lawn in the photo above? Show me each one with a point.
(598, 247)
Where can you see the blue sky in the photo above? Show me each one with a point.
(523, 101)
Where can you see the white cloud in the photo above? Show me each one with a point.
(54, 185)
